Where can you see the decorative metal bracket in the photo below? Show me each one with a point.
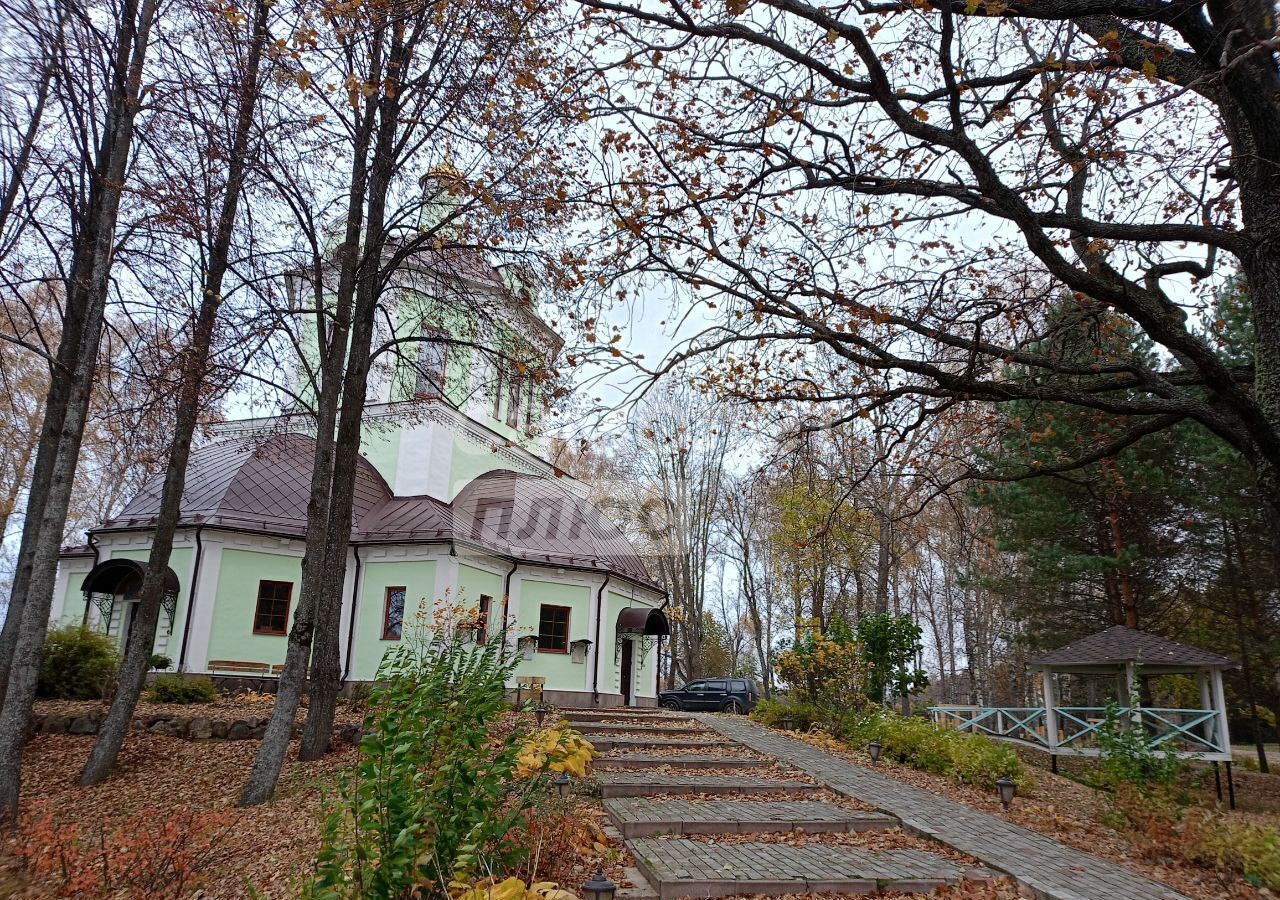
(646, 642)
(106, 604)
(170, 605)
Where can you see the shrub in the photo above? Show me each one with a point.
(442, 779)
(804, 716)
(77, 664)
(1126, 756)
(1162, 827)
(974, 758)
(152, 853)
(1245, 847)
(176, 689)
(825, 668)
(159, 661)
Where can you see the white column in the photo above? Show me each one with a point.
(1050, 714)
(1131, 692)
(1206, 703)
(347, 611)
(205, 594)
(594, 612)
(1220, 704)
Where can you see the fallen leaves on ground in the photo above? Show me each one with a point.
(1066, 811)
(270, 847)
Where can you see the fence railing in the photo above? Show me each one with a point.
(1190, 732)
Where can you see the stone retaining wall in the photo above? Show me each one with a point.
(191, 728)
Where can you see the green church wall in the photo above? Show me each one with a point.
(472, 583)
(417, 577)
(561, 672)
(73, 599)
(232, 635)
(415, 309)
(380, 445)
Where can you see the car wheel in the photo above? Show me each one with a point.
(670, 704)
(733, 706)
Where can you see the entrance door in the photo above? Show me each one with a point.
(627, 675)
(131, 617)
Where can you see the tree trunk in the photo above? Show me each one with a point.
(262, 780)
(195, 367)
(92, 279)
(884, 561)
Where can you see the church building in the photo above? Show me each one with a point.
(454, 507)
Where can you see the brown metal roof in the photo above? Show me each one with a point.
(535, 519)
(524, 517)
(255, 485)
(1118, 645)
(263, 486)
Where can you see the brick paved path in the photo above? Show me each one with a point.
(683, 761)
(682, 867)
(607, 742)
(1052, 870)
(642, 817)
(640, 784)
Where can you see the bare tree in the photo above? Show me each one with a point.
(910, 186)
(679, 444)
(123, 42)
(419, 76)
(193, 367)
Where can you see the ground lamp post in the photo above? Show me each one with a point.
(599, 887)
(874, 749)
(562, 784)
(1007, 789)
(539, 713)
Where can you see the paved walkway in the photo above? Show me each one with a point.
(643, 817)
(640, 784)
(1051, 869)
(682, 867)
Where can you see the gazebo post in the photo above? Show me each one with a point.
(1133, 698)
(1050, 717)
(1220, 705)
(1210, 726)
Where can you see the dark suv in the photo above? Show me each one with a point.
(712, 694)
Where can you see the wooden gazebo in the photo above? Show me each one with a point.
(1124, 654)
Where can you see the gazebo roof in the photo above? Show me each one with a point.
(1119, 645)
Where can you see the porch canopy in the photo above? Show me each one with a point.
(122, 578)
(1125, 654)
(643, 620)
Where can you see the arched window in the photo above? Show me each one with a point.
(515, 391)
(433, 357)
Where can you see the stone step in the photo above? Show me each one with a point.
(642, 817)
(679, 867)
(683, 761)
(606, 742)
(643, 784)
(662, 730)
(639, 715)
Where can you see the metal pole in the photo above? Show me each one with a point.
(1231, 787)
(1217, 779)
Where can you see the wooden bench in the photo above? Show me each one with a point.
(529, 687)
(239, 667)
(279, 667)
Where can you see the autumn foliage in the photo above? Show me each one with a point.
(151, 854)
